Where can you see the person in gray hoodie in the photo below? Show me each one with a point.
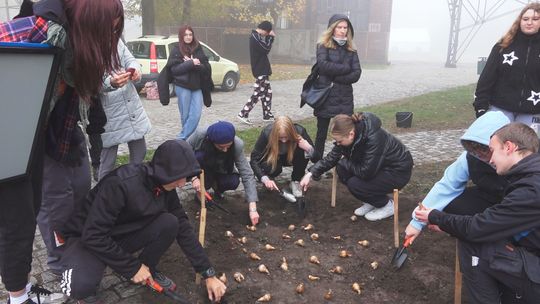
(127, 121)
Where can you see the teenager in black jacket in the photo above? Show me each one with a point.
(189, 71)
(501, 246)
(510, 81)
(135, 208)
(282, 144)
(260, 44)
(369, 160)
(338, 63)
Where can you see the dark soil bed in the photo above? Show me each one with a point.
(427, 276)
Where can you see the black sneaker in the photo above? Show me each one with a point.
(269, 117)
(164, 281)
(41, 295)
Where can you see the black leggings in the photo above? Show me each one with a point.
(299, 164)
(320, 139)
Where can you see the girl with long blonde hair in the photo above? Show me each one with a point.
(369, 161)
(282, 143)
(338, 64)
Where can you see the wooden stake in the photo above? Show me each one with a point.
(396, 218)
(334, 186)
(202, 216)
(457, 279)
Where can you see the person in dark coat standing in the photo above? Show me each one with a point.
(135, 208)
(510, 81)
(260, 44)
(338, 63)
(500, 247)
(189, 69)
(369, 160)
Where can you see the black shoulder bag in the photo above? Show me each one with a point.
(311, 94)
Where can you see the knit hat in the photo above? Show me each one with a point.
(265, 26)
(221, 132)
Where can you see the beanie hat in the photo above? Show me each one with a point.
(265, 25)
(221, 132)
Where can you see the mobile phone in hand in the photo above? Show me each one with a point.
(131, 71)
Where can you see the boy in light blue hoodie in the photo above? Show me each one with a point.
(451, 193)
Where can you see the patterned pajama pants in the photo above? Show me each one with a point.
(263, 92)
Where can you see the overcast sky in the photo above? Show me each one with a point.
(420, 29)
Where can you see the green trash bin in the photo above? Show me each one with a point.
(481, 65)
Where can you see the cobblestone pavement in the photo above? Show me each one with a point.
(376, 86)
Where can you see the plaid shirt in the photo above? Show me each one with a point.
(60, 140)
(28, 29)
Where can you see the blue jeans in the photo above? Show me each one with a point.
(190, 107)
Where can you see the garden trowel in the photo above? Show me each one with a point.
(400, 256)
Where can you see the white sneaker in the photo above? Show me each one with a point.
(295, 189)
(381, 213)
(244, 119)
(363, 210)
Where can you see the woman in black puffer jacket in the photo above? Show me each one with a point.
(338, 63)
(369, 160)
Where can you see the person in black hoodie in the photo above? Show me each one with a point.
(338, 63)
(189, 70)
(135, 208)
(510, 81)
(260, 44)
(501, 246)
(369, 160)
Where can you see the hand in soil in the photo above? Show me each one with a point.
(254, 216)
(216, 289)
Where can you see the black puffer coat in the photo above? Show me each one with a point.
(341, 67)
(372, 151)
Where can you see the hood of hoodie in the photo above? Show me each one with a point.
(337, 17)
(51, 10)
(482, 128)
(527, 165)
(173, 160)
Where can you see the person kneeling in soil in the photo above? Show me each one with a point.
(451, 193)
(282, 143)
(369, 160)
(221, 155)
(134, 208)
(500, 247)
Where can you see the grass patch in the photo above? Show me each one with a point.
(291, 71)
(442, 110)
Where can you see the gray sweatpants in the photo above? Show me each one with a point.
(137, 151)
(64, 188)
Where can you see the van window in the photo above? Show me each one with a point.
(161, 53)
(139, 49)
(211, 56)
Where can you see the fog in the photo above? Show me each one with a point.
(420, 29)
